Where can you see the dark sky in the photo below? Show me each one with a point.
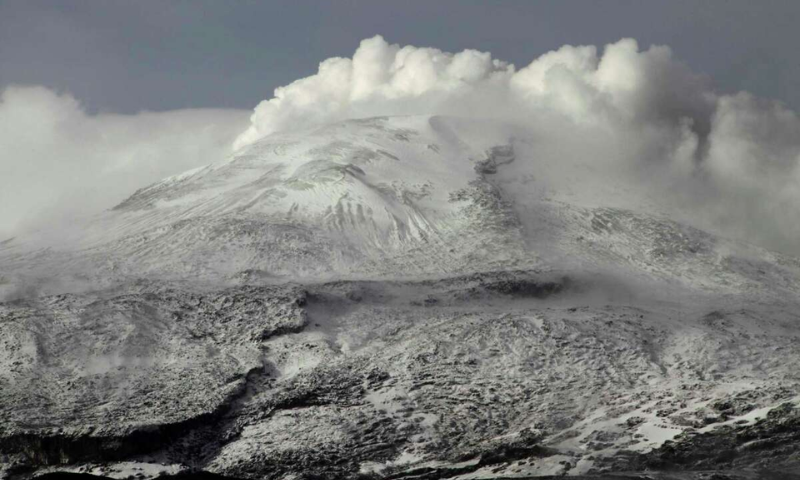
(126, 56)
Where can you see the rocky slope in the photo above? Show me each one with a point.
(396, 298)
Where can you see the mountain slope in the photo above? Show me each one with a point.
(405, 297)
(391, 197)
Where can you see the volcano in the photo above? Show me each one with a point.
(397, 297)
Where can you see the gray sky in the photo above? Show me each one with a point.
(127, 56)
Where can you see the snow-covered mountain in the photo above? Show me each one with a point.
(399, 297)
(394, 197)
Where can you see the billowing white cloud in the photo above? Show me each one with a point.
(729, 160)
(384, 79)
(381, 79)
(58, 162)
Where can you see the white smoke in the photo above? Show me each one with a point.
(57, 162)
(729, 159)
(381, 79)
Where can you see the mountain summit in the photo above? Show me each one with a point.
(393, 197)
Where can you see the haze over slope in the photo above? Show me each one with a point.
(60, 163)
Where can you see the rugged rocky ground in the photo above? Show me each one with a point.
(468, 377)
(395, 298)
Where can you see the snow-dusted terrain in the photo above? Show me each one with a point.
(401, 297)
